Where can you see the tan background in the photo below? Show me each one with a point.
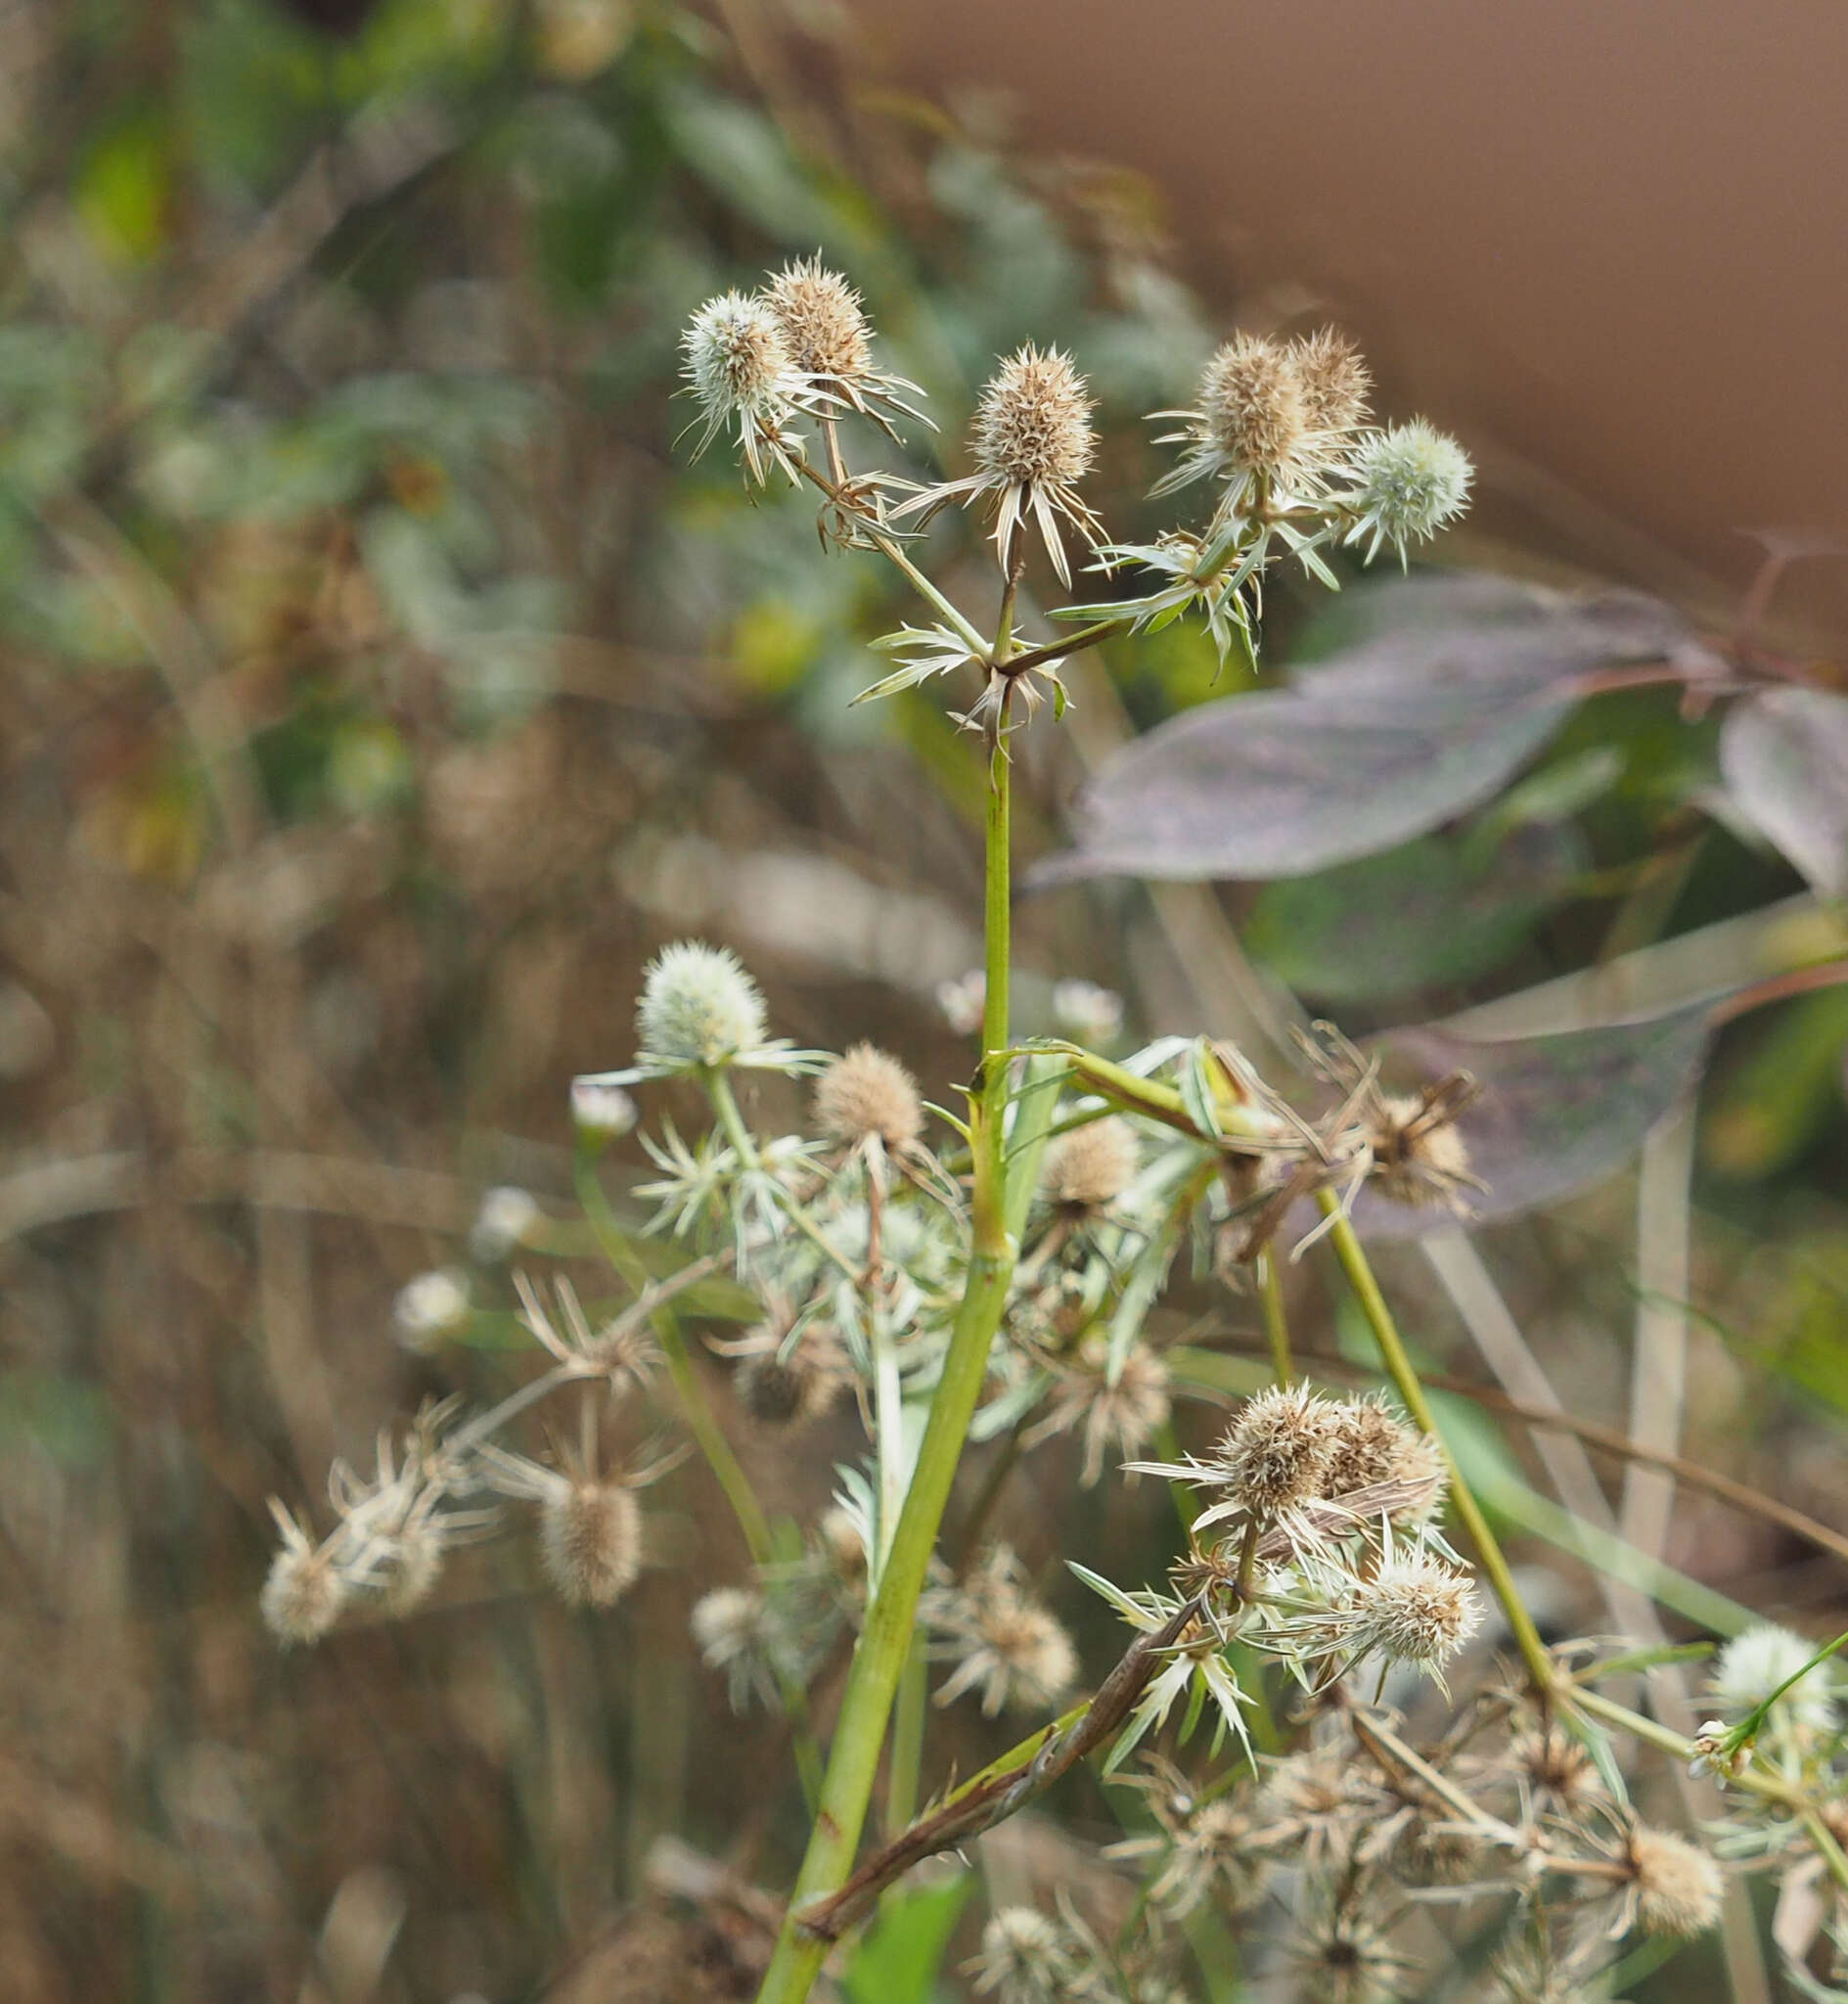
(1607, 244)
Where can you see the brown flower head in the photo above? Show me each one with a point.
(1091, 1166)
(866, 1094)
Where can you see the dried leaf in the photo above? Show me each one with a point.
(1784, 755)
(1556, 1113)
(1452, 685)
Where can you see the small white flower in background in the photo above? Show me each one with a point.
(604, 1113)
(736, 1629)
(699, 1012)
(961, 1001)
(430, 1308)
(506, 1216)
(1024, 1958)
(1087, 1012)
(1760, 1659)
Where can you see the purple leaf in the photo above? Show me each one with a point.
(1784, 755)
(1450, 687)
(1558, 1113)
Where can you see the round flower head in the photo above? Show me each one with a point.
(1375, 1447)
(867, 1094)
(1408, 481)
(1758, 1662)
(780, 1391)
(1023, 1958)
(507, 1215)
(430, 1308)
(740, 372)
(735, 1631)
(1250, 420)
(1032, 443)
(603, 1113)
(698, 1008)
(1676, 1887)
(1413, 1610)
(306, 1591)
(1276, 1451)
(1419, 1155)
(590, 1540)
(1334, 383)
(1091, 1166)
(819, 316)
(1013, 1649)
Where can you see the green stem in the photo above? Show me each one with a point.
(719, 1091)
(905, 1763)
(1276, 1323)
(1392, 1350)
(886, 1642)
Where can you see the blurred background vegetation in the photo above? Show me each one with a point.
(381, 690)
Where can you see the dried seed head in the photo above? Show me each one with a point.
(1345, 1954)
(1011, 1646)
(1412, 1610)
(303, 1595)
(1092, 1166)
(1556, 1769)
(1033, 423)
(1761, 1659)
(417, 1562)
(590, 1539)
(1677, 1887)
(1214, 1852)
(1408, 481)
(819, 316)
(779, 1390)
(1124, 1416)
(1023, 1957)
(735, 361)
(698, 1007)
(1369, 1439)
(1419, 1155)
(1252, 410)
(868, 1093)
(1276, 1451)
(1335, 381)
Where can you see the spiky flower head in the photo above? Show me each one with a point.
(1760, 1660)
(740, 372)
(1252, 412)
(1373, 1448)
(1091, 1166)
(1412, 1608)
(590, 1540)
(1032, 427)
(1678, 1888)
(819, 316)
(1276, 1451)
(1024, 1957)
(1419, 1155)
(1408, 481)
(1124, 1416)
(780, 1389)
(1334, 383)
(698, 1008)
(1031, 441)
(869, 1095)
(1342, 1948)
(735, 1630)
(1013, 1648)
(305, 1591)
(1555, 1769)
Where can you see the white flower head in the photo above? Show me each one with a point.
(507, 1215)
(740, 372)
(430, 1308)
(1408, 481)
(698, 1008)
(1761, 1659)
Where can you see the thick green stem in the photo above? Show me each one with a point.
(905, 1763)
(886, 1642)
(1399, 1368)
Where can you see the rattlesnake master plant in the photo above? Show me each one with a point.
(1315, 1730)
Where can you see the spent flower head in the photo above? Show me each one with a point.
(868, 1095)
(1088, 1169)
(740, 372)
(1032, 443)
(824, 333)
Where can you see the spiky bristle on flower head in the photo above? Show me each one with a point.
(1412, 1608)
(1408, 481)
(1419, 1153)
(1335, 381)
(1033, 424)
(698, 1007)
(868, 1094)
(738, 368)
(1374, 1445)
(820, 318)
(590, 1539)
(1251, 408)
(1092, 1166)
(1276, 1451)
(1679, 1890)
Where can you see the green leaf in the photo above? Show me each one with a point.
(898, 1959)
